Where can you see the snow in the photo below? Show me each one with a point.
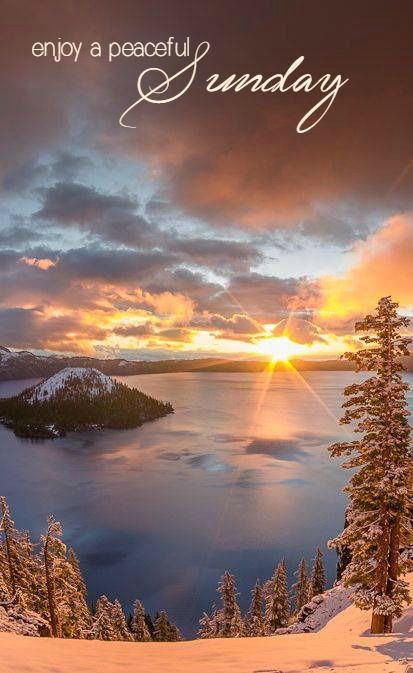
(342, 646)
(6, 354)
(91, 380)
(315, 615)
(23, 622)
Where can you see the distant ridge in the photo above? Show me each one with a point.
(26, 365)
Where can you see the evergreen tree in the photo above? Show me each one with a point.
(138, 625)
(164, 630)
(149, 624)
(4, 588)
(206, 627)
(51, 547)
(119, 622)
(162, 627)
(79, 619)
(210, 626)
(66, 610)
(254, 624)
(102, 627)
(231, 625)
(318, 575)
(277, 604)
(302, 588)
(17, 558)
(174, 633)
(379, 520)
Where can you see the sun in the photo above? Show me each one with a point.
(280, 349)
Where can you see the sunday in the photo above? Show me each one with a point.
(327, 84)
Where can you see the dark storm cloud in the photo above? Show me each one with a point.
(64, 166)
(67, 165)
(17, 235)
(221, 255)
(24, 176)
(112, 217)
(114, 266)
(75, 203)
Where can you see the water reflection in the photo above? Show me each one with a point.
(234, 479)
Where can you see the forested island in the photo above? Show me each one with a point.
(75, 399)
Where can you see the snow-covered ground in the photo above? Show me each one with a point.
(342, 646)
(92, 380)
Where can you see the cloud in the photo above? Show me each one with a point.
(137, 331)
(263, 298)
(64, 166)
(33, 328)
(382, 266)
(222, 255)
(67, 165)
(229, 167)
(299, 330)
(24, 176)
(238, 324)
(112, 217)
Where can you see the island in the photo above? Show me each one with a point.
(78, 398)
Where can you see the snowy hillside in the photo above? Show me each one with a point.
(71, 380)
(342, 646)
(315, 615)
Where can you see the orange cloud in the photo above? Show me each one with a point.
(43, 264)
(383, 266)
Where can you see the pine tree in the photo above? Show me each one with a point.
(18, 558)
(164, 630)
(277, 604)
(210, 626)
(162, 627)
(119, 622)
(66, 606)
(138, 626)
(79, 619)
(4, 588)
(254, 624)
(380, 493)
(51, 546)
(205, 627)
(231, 625)
(302, 588)
(318, 576)
(102, 627)
(174, 633)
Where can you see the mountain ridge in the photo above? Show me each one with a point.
(24, 365)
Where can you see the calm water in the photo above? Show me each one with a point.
(237, 478)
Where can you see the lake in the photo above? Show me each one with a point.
(237, 478)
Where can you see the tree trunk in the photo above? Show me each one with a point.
(377, 623)
(54, 622)
(8, 552)
(394, 553)
(382, 577)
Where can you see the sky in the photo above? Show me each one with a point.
(212, 227)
